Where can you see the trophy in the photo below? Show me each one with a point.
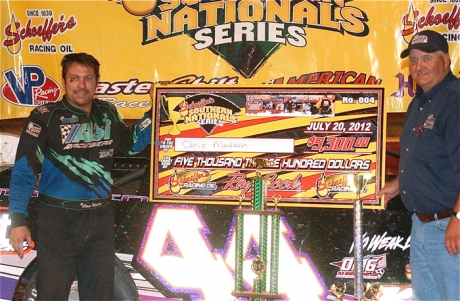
(359, 182)
(260, 264)
(174, 116)
(338, 290)
(376, 290)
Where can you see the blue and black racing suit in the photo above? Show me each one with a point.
(73, 151)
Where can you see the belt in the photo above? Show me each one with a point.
(74, 204)
(434, 217)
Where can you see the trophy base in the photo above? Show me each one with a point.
(249, 294)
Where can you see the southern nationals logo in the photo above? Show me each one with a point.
(245, 33)
(205, 110)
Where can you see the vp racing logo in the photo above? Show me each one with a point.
(30, 88)
(245, 32)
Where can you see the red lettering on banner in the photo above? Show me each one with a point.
(451, 19)
(46, 31)
(238, 182)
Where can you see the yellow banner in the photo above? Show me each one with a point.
(251, 42)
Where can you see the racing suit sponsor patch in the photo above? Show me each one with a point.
(106, 153)
(33, 129)
(145, 124)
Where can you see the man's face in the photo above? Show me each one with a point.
(80, 84)
(428, 69)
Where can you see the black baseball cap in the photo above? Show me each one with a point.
(427, 41)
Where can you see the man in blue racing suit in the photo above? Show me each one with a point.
(70, 144)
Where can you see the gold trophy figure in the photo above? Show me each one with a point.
(174, 116)
(276, 200)
(339, 290)
(258, 267)
(376, 289)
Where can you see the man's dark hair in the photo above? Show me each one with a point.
(81, 58)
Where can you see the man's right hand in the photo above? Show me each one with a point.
(17, 237)
(389, 191)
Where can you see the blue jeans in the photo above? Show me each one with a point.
(435, 273)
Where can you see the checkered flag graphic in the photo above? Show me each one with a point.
(66, 129)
